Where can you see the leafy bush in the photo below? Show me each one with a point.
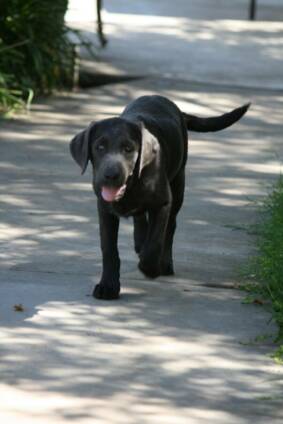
(10, 99)
(35, 54)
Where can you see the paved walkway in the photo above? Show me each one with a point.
(176, 350)
(207, 41)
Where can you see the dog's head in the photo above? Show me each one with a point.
(117, 149)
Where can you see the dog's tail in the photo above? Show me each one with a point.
(217, 123)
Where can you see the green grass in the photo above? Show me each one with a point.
(11, 99)
(267, 267)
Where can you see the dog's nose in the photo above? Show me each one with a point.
(112, 174)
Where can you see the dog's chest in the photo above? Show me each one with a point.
(137, 199)
(128, 207)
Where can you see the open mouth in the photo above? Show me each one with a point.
(113, 194)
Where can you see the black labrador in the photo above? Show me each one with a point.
(138, 162)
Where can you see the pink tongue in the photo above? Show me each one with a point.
(109, 193)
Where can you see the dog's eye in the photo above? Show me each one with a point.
(100, 147)
(128, 149)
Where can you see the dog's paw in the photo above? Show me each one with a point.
(103, 292)
(138, 248)
(149, 269)
(167, 269)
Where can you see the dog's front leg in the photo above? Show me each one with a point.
(109, 286)
(151, 254)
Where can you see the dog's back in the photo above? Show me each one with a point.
(165, 121)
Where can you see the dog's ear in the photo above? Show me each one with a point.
(79, 146)
(149, 148)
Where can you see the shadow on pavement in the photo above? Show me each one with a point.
(164, 349)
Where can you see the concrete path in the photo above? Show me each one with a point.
(194, 40)
(176, 350)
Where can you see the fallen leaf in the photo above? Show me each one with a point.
(258, 302)
(19, 308)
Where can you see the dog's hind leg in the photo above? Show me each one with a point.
(140, 231)
(151, 253)
(177, 188)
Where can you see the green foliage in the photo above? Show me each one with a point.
(278, 355)
(269, 264)
(267, 267)
(35, 54)
(10, 99)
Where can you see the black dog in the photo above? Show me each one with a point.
(138, 164)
